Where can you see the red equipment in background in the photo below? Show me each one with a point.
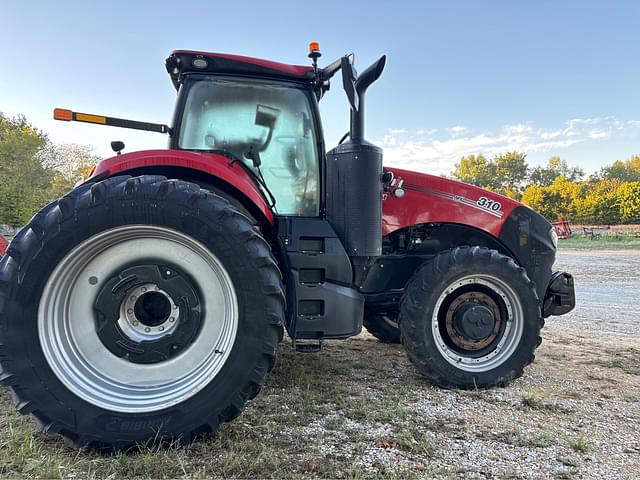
(562, 228)
(3, 245)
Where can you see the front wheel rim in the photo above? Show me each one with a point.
(86, 367)
(511, 332)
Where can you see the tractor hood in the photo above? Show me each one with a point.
(433, 199)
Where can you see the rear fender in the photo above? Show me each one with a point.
(208, 168)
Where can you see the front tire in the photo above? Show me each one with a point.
(470, 318)
(137, 310)
(383, 325)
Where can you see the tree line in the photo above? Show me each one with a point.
(609, 196)
(35, 171)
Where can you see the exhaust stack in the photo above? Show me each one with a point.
(354, 176)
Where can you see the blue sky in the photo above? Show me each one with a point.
(545, 77)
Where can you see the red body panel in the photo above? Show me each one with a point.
(295, 70)
(211, 163)
(432, 199)
(3, 245)
(427, 199)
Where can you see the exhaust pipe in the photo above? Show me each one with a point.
(356, 86)
(354, 176)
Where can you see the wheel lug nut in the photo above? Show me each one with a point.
(135, 324)
(171, 319)
(147, 329)
(130, 311)
(161, 328)
(144, 289)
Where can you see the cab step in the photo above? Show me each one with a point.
(307, 346)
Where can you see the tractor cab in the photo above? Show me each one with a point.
(264, 118)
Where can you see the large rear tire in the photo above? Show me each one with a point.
(137, 310)
(470, 318)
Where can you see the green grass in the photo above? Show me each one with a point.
(541, 401)
(415, 441)
(603, 242)
(579, 443)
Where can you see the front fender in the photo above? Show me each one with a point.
(210, 164)
(431, 199)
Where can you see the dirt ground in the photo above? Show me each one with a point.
(359, 410)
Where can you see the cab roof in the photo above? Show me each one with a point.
(189, 61)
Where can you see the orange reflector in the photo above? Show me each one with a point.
(92, 170)
(62, 114)
(314, 47)
(85, 117)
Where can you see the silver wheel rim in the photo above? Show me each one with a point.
(509, 339)
(85, 366)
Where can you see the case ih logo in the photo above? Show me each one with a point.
(492, 207)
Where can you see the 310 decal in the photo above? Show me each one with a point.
(489, 204)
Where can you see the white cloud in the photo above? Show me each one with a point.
(597, 134)
(457, 130)
(424, 151)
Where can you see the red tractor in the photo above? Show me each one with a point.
(148, 303)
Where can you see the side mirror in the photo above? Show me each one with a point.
(266, 116)
(349, 76)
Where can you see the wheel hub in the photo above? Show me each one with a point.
(473, 320)
(148, 313)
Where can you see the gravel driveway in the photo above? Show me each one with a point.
(607, 291)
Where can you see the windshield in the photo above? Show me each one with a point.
(267, 126)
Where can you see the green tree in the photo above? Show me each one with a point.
(627, 171)
(33, 170)
(476, 170)
(511, 171)
(504, 173)
(69, 163)
(555, 168)
(23, 178)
